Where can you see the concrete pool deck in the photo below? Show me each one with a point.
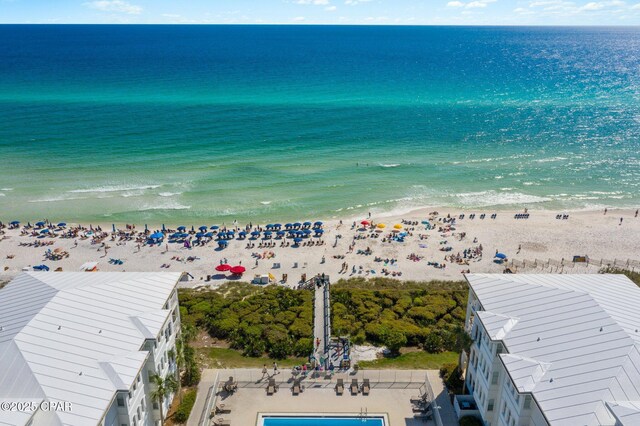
(390, 394)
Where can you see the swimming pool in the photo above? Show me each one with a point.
(280, 420)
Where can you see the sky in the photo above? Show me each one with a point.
(378, 12)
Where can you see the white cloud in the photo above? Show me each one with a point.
(355, 2)
(314, 2)
(330, 8)
(118, 6)
(476, 4)
(298, 19)
(593, 6)
(471, 5)
(635, 6)
(455, 4)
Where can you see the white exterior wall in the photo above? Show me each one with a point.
(508, 404)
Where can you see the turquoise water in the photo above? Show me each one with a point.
(321, 421)
(180, 123)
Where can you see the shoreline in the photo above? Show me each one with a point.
(410, 212)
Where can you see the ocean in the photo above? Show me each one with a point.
(275, 123)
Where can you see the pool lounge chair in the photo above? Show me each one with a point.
(354, 387)
(272, 387)
(339, 387)
(297, 387)
(366, 387)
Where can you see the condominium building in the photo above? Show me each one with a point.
(82, 348)
(553, 350)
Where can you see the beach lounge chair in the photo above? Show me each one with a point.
(339, 387)
(272, 387)
(221, 422)
(366, 387)
(354, 386)
(230, 386)
(297, 387)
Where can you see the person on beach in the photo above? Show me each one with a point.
(620, 221)
(264, 371)
(275, 368)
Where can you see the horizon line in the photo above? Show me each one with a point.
(303, 24)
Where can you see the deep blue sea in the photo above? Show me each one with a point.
(172, 123)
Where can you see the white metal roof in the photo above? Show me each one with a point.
(72, 336)
(627, 412)
(580, 330)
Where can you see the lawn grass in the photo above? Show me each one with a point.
(419, 360)
(231, 358)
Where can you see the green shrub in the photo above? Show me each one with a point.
(184, 409)
(452, 377)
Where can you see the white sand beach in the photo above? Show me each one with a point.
(542, 237)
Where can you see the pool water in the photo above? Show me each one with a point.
(322, 421)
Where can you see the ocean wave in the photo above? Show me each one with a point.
(531, 183)
(168, 194)
(167, 206)
(265, 203)
(114, 188)
(6, 189)
(550, 159)
(2, 195)
(493, 198)
(54, 199)
(389, 165)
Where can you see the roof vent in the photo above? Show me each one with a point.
(538, 339)
(601, 328)
(2, 328)
(80, 373)
(100, 332)
(551, 380)
(59, 327)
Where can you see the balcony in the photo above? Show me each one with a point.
(465, 405)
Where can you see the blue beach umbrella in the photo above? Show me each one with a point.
(500, 256)
(182, 228)
(214, 227)
(281, 233)
(277, 225)
(203, 228)
(307, 231)
(61, 224)
(317, 224)
(297, 240)
(44, 231)
(307, 224)
(319, 232)
(40, 224)
(297, 225)
(255, 233)
(269, 226)
(184, 235)
(288, 225)
(222, 243)
(209, 234)
(157, 236)
(222, 234)
(15, 222)
(200, 235)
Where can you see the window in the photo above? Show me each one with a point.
(155, 405)
(490, 405)
(138, 378)
(494, 378)
(174, 315)
(499, 348)
(143, 406)
(138, 411)
(120, 401)
(527, 401)
(129, 395)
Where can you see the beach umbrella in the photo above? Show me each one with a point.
(317, 224)
(203, 228)
(269, 226)
(281, 233)
(365, 223)
(255, 233)
(500, 256)
(192, 229)
(297, 225)
(200, 235)
(382, 225)
(222, 243)
(277, 225)
(268, 232)
(61, 224)
(175, 235)
(223, 267)
(397, 226)
(40, 224)
(319, 232)
(163, 228)
(15, 222)
(222, 235)
(288, 225)
(209, 234)
(297, 240)
(44, 231)
(157, 236)
(307, 231)
(425, 222)
(182, 228)
(214, 227)
(237, 270)
(307, 224)
(184, 235)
